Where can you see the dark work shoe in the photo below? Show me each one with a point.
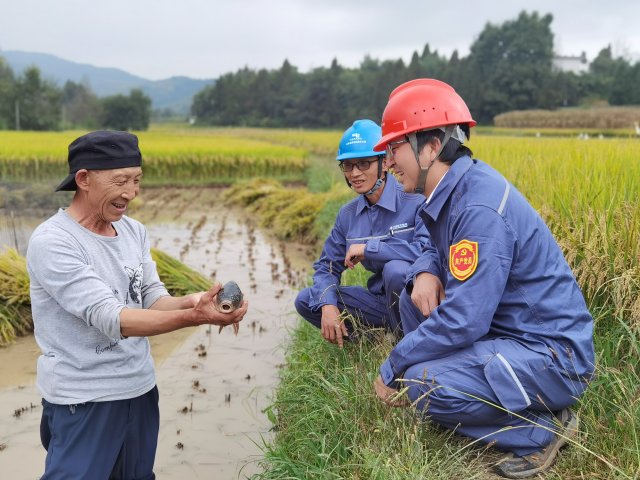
(513, 466)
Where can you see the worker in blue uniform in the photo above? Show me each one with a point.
(498, 340)
(380, 229)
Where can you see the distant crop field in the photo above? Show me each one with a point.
(319, 142)
(588, 191)
(170, 156)
(622, 118)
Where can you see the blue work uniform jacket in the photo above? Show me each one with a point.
(504, 276)
(391, 230)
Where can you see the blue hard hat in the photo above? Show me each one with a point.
(358, 140)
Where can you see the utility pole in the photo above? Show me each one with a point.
(17, 114)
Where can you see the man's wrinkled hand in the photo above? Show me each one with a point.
(355, 254)
(427, 293)
(332, 327)
(388, 395)
(206, 312)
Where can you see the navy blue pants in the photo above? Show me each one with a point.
(371, 309)
(496, 390)
(101, 440)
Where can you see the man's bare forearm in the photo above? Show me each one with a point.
(175, 303)
(144, 323)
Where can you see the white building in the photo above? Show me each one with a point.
(576, 65)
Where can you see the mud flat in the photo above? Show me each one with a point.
(213, 387)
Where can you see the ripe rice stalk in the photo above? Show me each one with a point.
(319, 142)
(296, 220)
(178, 279)
(169, 156)
(15, 312)
(245, 193)
(14, 279)
(603, 251)
(16, 321)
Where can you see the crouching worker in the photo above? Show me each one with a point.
(95, 297)
(379, 229)
(497, 336)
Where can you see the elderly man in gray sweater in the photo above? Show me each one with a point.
(95, 297)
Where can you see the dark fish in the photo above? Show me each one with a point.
(229, 298)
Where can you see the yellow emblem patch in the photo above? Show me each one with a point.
(463, 259)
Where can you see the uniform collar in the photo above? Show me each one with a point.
(387, 199)
(444, 189)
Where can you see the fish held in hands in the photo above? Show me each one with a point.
(227, 300)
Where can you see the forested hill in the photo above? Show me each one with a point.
(509, 67)
(175, 93)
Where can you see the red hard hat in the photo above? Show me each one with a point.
(421, 104)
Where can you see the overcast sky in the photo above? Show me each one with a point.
(158, 39)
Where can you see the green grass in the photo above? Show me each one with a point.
(322, 174)
(328, 422)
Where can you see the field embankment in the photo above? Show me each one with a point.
(622, 119)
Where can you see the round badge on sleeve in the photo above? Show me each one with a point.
(463, 259)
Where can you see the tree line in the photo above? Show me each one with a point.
(30, 102)
(509, 67)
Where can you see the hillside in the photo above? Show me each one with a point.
(174, 93)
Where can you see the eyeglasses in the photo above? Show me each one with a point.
(390, 148)
(361, 164)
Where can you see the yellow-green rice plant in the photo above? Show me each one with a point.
(605, 259)
(248, 191)
(588, 192)
(290, 212)
(15, 315)
(14, 279)
(178, 279)
(566, 174)
(169, 157)
(268, 207)
(15, 312)
(319, 142)
(15, 320)
(296, 220)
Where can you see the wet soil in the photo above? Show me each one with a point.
(213, 386)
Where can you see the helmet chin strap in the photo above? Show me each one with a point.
(379, 181)
(413, 141)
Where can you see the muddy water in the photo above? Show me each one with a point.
(213, 387)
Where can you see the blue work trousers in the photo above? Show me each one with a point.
(372, 310)
(496, 391)
(113, 440)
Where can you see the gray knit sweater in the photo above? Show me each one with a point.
(80, 281)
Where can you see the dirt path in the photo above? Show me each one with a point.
(213, 387)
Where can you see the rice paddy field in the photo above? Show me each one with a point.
(171, 156)
(327, 420)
